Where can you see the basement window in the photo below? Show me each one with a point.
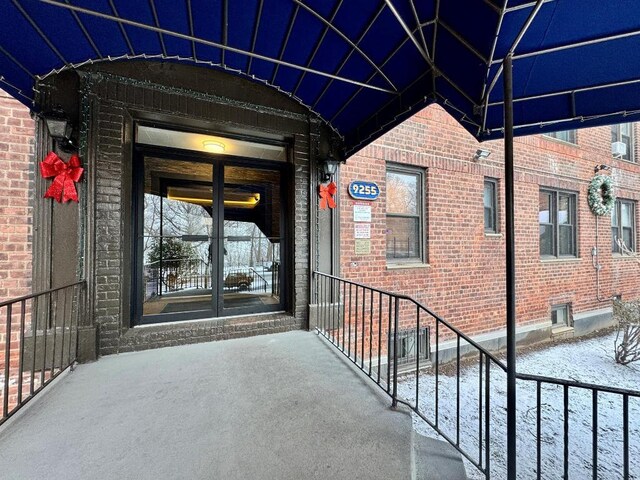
(409, 348)
(560, 315)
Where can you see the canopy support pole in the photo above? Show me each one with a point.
(510, 267)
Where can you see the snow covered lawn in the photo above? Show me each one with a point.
(589, 361)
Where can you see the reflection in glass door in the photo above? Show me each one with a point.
(251, 239)
(208, 239)
(176, 238)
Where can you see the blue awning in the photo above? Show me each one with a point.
(361, 65)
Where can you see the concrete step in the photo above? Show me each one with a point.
(436, 460)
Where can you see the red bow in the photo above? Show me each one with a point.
(63, 187)
(326, 195)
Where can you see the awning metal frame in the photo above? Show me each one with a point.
(317, 47)
(14, 60)
(569, 46)
(423, 53)
(156, 22)
(191, 32)
(420, 26)
(283, 48)
(35, 26)
(354, 46)
(124, 21)
(516, 42)
(123, 32)
(424, 41)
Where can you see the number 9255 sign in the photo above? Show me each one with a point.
(364, 190)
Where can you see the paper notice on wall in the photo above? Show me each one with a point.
(362, 230)
(362, 213)
(363, 246)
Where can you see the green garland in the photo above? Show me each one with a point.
(601, 197)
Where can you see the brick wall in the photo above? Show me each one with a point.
(16, 190)
(16, 183)
(463, 276)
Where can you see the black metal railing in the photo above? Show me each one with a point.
(275, 279)
(183, 274)
(457, 386)
(172, 275)
(588, 402)
(38, 341)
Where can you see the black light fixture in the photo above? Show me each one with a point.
(60, 128)
(328, 167)
(481, 153)
(601, 167)
(329, 154)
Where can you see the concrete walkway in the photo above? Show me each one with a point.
(284, 406)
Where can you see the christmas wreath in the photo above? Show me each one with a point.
(601, 197)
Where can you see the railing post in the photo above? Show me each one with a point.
(510, 268)
(7, 360)
(396, 316)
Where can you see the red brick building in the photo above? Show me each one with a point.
(456, 262)
(16, 184)
(17, 131)
(449, 257)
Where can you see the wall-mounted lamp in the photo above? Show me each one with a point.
(597, 168)
(329, 153)
(60, 128)
(481, 153)
(328, 167)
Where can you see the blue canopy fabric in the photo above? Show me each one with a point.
(363, 66)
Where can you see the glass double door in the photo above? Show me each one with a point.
(208, 239)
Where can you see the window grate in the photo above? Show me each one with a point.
(409, 348)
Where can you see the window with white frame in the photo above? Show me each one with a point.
(405, 224)
(623, 133)
(490, 205)
(623, 229)
(568, 136)
(558, 223)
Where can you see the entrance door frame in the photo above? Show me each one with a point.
(218, 162)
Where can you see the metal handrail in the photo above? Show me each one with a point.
(39, 294)
(355, 326)
(574, 384)
(46, 329)
(260, 276)
(441, 320)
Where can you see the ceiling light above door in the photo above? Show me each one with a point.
(213, 146)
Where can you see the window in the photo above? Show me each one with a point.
(565, 135)
(490, 205)
(623, 225)
(409, 349)
(623, 132)
(404, 214)
(560, 315)
(557, 219)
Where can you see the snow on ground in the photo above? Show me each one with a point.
(589, 361)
